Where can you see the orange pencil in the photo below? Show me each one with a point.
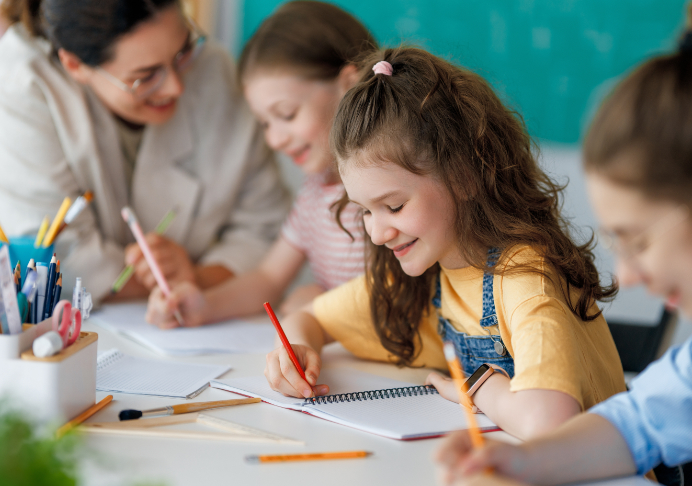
(83, 416)
(323, 456)
(460, 382)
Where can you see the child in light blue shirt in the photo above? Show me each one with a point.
(655, 417)
(638, 161)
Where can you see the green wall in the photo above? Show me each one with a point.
(550, 59)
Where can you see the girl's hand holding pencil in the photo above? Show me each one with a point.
(284, 377)
(186, 298)
(172, 258)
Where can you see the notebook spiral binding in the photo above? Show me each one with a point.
(407, 391)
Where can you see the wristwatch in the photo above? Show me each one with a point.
(478, 377)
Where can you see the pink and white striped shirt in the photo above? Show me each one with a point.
(312, 229)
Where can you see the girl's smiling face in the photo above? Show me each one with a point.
(297, 113)
(412, 215)
(652, 240)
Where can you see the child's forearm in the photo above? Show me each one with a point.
(584, 448)
(302, 327)
(240, 296)
(524, 414)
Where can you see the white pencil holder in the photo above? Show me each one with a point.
(53, 389)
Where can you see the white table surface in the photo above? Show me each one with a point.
(128, 460)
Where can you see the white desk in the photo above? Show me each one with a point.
(187, 462)
(193, 462)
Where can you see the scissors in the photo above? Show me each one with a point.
(67, 321)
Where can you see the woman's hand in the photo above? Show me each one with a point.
(458, 459)
(284, 378)
(172, 258)
(185, 298)
(445, 386)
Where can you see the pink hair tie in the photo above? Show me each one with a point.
(383, 67)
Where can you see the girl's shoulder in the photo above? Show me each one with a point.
(520, 257)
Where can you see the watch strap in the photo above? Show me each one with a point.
(496, 369)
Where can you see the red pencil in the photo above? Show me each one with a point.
(284, 341)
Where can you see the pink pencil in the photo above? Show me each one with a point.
(131, 220)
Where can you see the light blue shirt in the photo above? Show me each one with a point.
(655, 416)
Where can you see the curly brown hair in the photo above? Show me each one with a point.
(437, 119)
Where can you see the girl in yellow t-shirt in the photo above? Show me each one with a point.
(468, 246)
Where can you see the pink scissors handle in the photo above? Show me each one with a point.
(67, 322)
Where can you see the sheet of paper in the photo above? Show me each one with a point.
(121, 373)
(234, 336)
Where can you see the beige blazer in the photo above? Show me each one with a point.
(209, 161)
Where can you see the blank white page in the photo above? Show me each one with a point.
(234, 336)
(121, 373)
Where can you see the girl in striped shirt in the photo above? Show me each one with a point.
(294, 71)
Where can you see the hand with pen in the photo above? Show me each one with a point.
(186, 298)
(459, 459)
(295, 352)
(172, 258)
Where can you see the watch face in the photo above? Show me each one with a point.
(482, 369)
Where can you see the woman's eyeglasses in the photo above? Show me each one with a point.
(148, 85)
(637, 244)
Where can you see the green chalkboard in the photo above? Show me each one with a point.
(549, 59)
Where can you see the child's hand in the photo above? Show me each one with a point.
(284, 378)
(185, 297)
(172, 259)
(459, 459)
(445, 386)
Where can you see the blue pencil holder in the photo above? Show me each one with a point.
(22, 249)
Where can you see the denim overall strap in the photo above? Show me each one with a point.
(489, 318)
(476, 350)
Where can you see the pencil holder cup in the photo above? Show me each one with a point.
(22, 249)
(54, 389)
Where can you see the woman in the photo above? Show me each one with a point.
(124, 99)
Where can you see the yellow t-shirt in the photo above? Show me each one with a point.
(552, 348)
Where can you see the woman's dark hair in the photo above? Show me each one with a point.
(641, 136)
(86, 28)
(436, 119)
(314, 39)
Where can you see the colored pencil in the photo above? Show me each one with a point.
(50, 283)
(42, 231)
(55, 225)
(129, 270)
(460, 382)
(83, 416)
(131, 220)
(321, 456)
(284, 341)
(3, 238)
(75, 209)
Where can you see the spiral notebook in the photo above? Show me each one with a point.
(381, 406)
